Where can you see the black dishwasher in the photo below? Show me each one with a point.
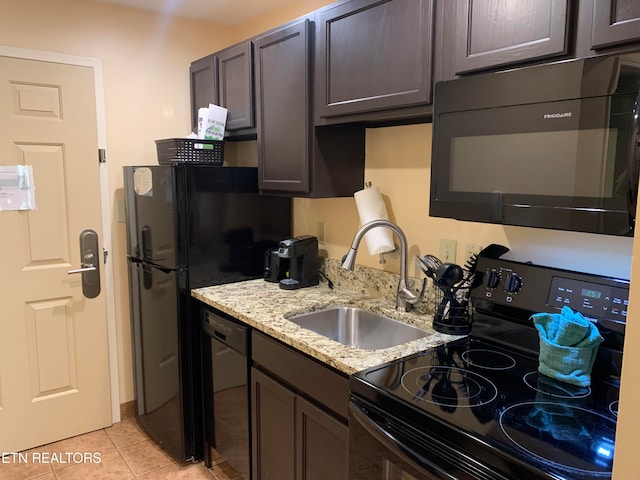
(225, 345)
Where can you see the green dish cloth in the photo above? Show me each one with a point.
(568, 346)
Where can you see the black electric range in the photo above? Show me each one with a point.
(477, 408)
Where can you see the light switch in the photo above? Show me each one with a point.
(448, 250)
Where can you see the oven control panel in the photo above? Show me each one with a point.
(589, 298)
(544, 289)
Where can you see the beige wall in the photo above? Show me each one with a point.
(146, 59)
(296, 9)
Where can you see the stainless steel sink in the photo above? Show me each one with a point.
(358, 328)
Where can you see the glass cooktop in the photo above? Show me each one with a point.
(496, 398)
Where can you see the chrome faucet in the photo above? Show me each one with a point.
(405, 298)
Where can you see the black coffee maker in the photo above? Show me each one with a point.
(294, 264)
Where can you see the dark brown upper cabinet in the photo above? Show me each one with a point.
(294, 158)
(373, 55)
(204, 89)
(235, 85)
(225, 78)
(615, 22)
(282, 94)
(490, 33)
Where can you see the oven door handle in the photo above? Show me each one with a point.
(392, 444)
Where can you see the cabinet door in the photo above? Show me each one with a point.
(272, 420)
(204, 89)
(235, 79)
(282, 94)
(490, 33)
(614, 22)
(373, 55)
(322, 444)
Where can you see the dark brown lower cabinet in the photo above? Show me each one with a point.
(296, 432)
(322, 444)
(292, 438)
(273, 422)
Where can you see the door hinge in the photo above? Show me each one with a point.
(105, 254)
(102, 155)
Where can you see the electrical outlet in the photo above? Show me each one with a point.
(120, 211)
(471, 249)
(320, 231)
(448, 250)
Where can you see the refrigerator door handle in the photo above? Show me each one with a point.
(90, 266)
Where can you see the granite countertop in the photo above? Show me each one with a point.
(264, 306)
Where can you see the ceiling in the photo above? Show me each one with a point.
(225, 12)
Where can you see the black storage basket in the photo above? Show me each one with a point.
(183, 150)
(453, 317)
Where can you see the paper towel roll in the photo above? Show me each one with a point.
(371, 207)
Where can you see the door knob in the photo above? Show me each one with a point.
(90, 266)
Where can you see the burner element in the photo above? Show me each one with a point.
(613, 408)
(571, 438)
(488, 359)
(449, 387)
(554, 388)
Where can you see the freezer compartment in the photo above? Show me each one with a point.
(209, 219)
(150, 201)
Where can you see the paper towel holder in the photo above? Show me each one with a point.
(395, 253)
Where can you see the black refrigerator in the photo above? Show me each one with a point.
(188, 226)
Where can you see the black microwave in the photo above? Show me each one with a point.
(552, 146)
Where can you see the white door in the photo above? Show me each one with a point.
(54, 365)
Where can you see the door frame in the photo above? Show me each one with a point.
(96, 65)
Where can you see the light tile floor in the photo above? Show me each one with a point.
(125, 453)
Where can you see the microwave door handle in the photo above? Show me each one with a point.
(389, 442)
